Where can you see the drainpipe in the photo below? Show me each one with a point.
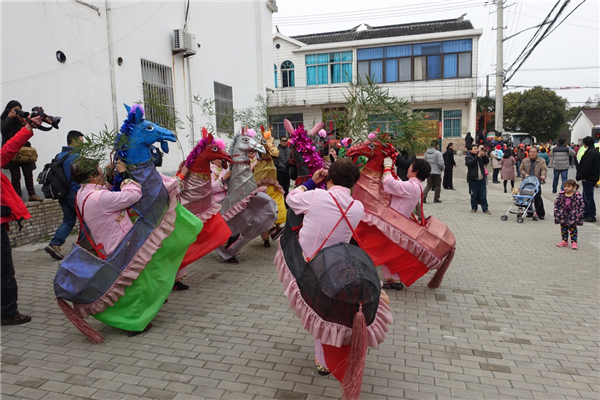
(113, 84)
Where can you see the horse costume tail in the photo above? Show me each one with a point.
(436, 281)
(92, 334)
(352, 383)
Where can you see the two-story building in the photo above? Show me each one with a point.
(431, 64)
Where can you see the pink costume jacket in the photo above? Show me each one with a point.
(321, 215)
(105, 213)
(405, 194)
(219, 188)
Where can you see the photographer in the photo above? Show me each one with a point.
(13, 209)
(476, 160)
(11, 124)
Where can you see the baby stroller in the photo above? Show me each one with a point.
(524, 200)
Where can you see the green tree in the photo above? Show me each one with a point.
(538, 111)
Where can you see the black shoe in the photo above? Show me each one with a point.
(393, 285)
(135, 333)
(266, 243)
(590, 219)
(231, 241)
(323, 373)
(232, 260)
(16, 320)
(504, 190)
(180, 286)
(542, 218)
(437, 201)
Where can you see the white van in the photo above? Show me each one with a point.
(516, 138)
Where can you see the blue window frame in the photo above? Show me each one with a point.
(452, 123)
(326, 68)
(287, 74)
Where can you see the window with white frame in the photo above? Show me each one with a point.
(415, 62)
(287, 74)
(452, 123)
(323, 69)
(157, 86)
(224, 107)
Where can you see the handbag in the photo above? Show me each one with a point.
(25, 155)
(86, 241)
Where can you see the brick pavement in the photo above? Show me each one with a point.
(515, 318)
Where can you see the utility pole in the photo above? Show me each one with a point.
(499, 66)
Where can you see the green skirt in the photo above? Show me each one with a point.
(147, 294)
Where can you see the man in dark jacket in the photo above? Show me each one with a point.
(282, 163)
(561, 160)
(588, 172)
(67, 203)
(449, 165)
(476, 160)
(13, 209)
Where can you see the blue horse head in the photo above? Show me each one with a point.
(141, 134)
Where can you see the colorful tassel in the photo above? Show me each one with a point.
(92, 334)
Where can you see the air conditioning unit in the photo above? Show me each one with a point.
(184, 42)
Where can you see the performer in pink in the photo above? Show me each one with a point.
(219, 177)
(405, 197)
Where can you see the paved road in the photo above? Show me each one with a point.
(515, 318)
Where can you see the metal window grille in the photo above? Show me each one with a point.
(224, 107)
(452, 122)
(159, 103)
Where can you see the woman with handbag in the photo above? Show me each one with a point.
(25, 158)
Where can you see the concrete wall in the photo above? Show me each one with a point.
(235, 39)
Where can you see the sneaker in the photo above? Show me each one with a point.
(487, 212)
(35, 197)
(16, 320)
(54, 251)
(266, 243)
(563, 244)
(574, 245)
(180, 286)
(473, 211)
(437, 201)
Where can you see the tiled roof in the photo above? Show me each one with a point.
(593, 115)
(376, 32)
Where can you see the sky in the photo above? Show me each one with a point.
(568, 57)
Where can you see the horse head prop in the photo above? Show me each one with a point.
(207, 150)
(320, 141)
(304, 153)
(242, 144)
(268, 142)
(141, 134)
(374, 150)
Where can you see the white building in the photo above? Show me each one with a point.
(82, 60)
(431, 64)
(583, 124)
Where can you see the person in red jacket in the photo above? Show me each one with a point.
(13, 209)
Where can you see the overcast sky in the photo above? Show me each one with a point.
(569, 56)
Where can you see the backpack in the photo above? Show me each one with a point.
(55, 184)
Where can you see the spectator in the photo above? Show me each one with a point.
(449, 164)
(67, 203)
(535, 166)
(403, 162)
(561, 158)
(519, 158)
(543, 154)
(11, 124)
(508, 169)
(496, 156)
(13, 209)
(476, 160)
(282, 164)
(468, 141)
(588, 172)
(435, 159)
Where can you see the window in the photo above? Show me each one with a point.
(437, 60)
(224, 107)
(157, 86)
(322, 69)
(387, 124)
(287, 74)
(452, 121)
(276, 121)
(275, 69)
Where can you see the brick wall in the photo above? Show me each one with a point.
(45, 219)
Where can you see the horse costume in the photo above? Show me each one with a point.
(128, 288)
(247, 209)
(305, 159)
(265, 174)
(404, 245)
(198, 198)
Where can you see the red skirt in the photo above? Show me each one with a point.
(385, 252)
(214, 234)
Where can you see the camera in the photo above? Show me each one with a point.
(39, 111)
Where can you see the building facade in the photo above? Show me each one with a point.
(83, 60)
(433, 65)
(583, 124)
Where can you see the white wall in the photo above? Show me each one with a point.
(580, 129)
(235, 39)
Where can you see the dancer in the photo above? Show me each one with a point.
(352, 314)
